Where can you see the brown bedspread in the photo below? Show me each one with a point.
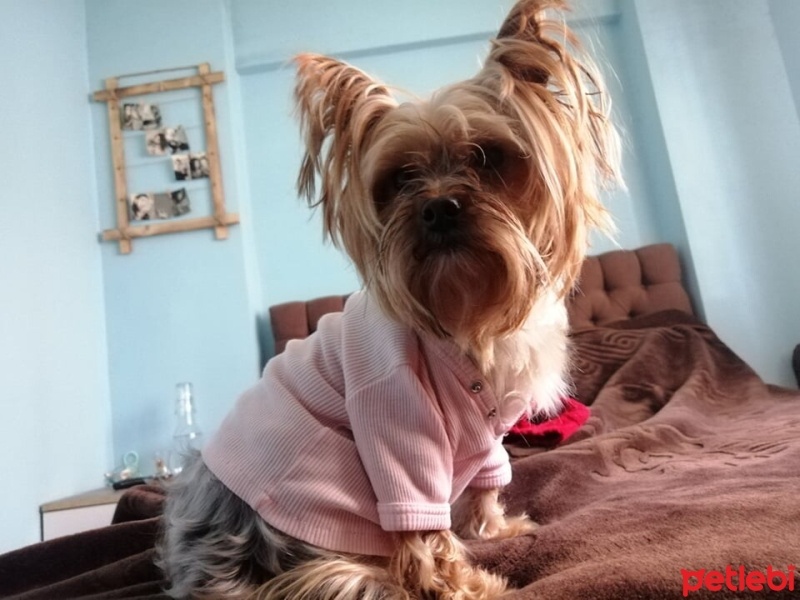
(112, 562)
(689, 461)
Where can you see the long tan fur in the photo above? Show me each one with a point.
(433, 564)
(335, 577)
(479, 515)
(553, 88)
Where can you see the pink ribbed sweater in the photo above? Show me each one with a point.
(362, 429)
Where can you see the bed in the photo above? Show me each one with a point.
(684, 481)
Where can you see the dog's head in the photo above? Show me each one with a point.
(460, 211)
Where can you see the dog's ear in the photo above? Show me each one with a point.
(520, 35)
(535, 48)
(338, 105)
(543, 80)
(537, 59)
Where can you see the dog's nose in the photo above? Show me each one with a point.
(440, 215)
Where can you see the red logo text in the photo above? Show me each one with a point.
(738, 580)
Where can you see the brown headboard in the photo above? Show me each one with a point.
(627, 283)
(613, 286)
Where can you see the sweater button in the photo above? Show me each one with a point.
(476, 387)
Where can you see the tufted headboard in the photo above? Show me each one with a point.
(613, 286)
(627, 283)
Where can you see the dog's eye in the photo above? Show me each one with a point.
(401, 177)
(488, 157)
(391, 184)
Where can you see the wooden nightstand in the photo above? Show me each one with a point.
(89, 510)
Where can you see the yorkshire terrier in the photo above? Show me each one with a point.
(367, 452)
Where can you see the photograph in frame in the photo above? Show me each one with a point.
(168, 140)
(142, 207)
(140, 116)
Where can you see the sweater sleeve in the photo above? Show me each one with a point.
(405, 450)
(496, 471)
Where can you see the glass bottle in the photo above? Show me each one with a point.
(188, 436)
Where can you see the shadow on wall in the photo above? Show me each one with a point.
(266, 340)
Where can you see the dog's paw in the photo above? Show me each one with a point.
(509, 527)
(479, 515)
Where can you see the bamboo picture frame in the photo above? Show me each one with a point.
(220, 219)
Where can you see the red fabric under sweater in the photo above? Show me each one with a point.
(552, 431)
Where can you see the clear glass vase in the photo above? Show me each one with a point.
(187, 437)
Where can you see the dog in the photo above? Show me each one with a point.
(368, 452)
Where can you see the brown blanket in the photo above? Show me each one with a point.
(112, 562)
(689, 462)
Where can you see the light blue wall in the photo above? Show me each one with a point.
(266, 34)
(180, 307)
(785, 17)
(54, 404)
(656, 200)
(728, 116)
